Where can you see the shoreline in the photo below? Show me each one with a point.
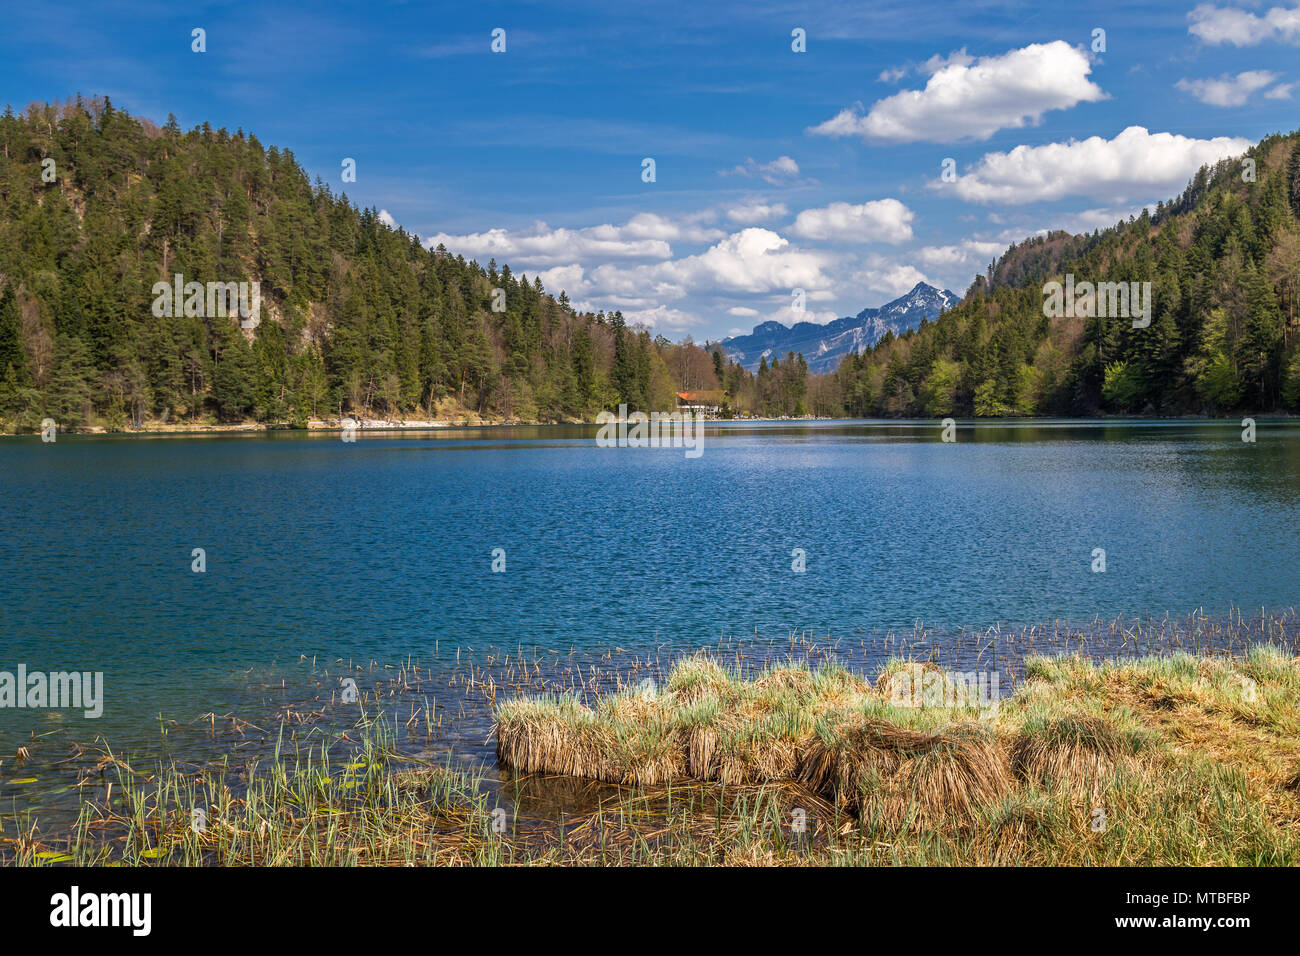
(690, 769)
(392, 425)
(449, 716)
(363, 425)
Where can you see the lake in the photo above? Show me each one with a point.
(383, 548)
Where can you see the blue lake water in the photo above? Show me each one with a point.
(382, 548)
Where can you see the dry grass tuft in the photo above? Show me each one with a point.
(1292, 783)
(1073, 753)
(1016, 825)
(553, 735)
(708, 725)
(1150, 741)
(900, 776)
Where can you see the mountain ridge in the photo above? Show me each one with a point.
(824, 346)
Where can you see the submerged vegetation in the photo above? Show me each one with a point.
(1180, 759)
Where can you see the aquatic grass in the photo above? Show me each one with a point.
(708, 724)
(1148, 761)
(726, 762)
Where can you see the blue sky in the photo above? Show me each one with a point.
(775, 170)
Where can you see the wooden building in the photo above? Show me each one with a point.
(706, 402)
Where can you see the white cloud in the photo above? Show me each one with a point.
(752, 260)
(542, 245)
(892, 75)
(881, 277)
(662, 318)
(636, 285)
(387, 219)
(742, 311)
(1228, 90)
(967, 254)
(788, 316)
(782, 171)
(956, 58)
(1135, 164)
(1090, 220)
(847, 122)
(881, 220)
(750, 213)
(644, 236)
(1220, 25)
(648, 225)
(967, 98)
(569, 279)
(780, 308)
(1280, 92)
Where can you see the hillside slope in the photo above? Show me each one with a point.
(1223, 263)
(97, 207)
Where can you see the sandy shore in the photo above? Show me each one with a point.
(331, 424)
(325, 424)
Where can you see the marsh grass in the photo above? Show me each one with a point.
(1157, 761)
(1175, 760)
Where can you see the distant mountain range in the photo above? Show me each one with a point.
(824, 346)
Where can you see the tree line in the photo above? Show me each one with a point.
(359, 318)
(356, 318)
(1223, 263)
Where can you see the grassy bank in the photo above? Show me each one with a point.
(1176, 760)
(1162, 761)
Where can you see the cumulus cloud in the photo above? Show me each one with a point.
(939, 62)
(644, 236)
(781, 171)
(1219, 25)
(1136, 164)
(967, 254)
(752, 260)
(882, 277)
(970, 98)
(787, 315)
(387, 219)
(542, 245)
(662, 318)
(1228, 90)
(570, 279)
(648, 225)
(751, 213)
(881, 220)
(1090, 220)
(743, 311)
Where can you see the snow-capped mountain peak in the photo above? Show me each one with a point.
(824, 346)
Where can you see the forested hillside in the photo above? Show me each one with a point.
(356, 317)
(1223, 261)
(97, 206)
